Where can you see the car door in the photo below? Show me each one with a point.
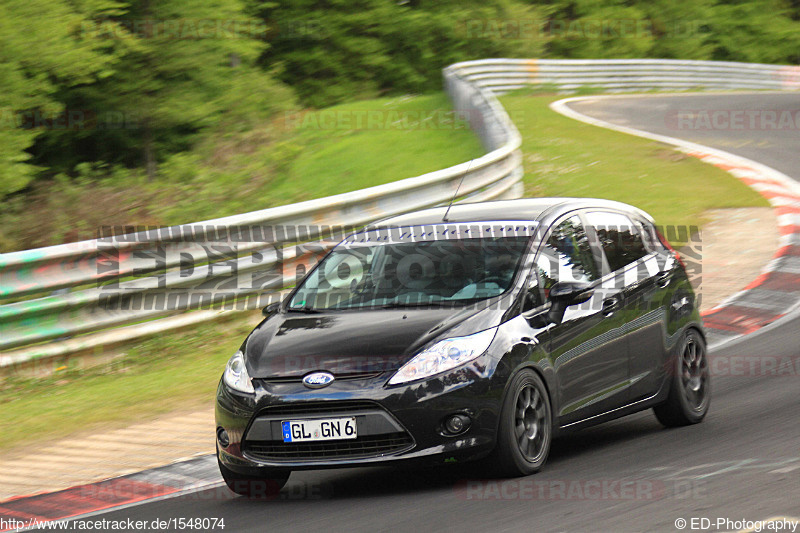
(587, 347)
(641, 276)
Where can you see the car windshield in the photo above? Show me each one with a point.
(408, 272)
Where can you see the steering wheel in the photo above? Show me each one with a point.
(500, 281)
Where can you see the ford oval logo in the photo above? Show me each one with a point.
(317, 380)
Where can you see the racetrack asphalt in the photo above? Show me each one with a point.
(747, 124)
(742, 463)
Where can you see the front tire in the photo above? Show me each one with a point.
(690, 390)
(264, 487)
(525, 429)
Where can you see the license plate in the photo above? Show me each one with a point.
(319, 429)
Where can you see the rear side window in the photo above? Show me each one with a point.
(648, 232)
(620, 238)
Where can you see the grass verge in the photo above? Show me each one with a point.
(177, 371)
(295, 157)
(564, 157)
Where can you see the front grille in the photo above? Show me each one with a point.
(385, 438)
(361, 447)
(338, 377)
(317, 408)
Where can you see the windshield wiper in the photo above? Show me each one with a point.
(397, 305)
(304, 309)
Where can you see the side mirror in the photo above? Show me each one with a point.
(571, 292)
(271, 309)
(566, 293)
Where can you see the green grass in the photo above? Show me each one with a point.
(330, 151)
(178, 371)
(564, 157)
(295, 157)
(398, 138)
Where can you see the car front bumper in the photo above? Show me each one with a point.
(397, 423)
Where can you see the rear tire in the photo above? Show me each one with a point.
(526, 428)
(264, 487)
(690, 390)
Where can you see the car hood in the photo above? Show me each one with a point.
(353, 342)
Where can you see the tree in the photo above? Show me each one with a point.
(334, 50)
(39, 54)
(758, 31)
(181, 66)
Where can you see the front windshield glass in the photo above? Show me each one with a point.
(412, 272)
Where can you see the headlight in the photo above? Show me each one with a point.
(235, 375)
(443, 356)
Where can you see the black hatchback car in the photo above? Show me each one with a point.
(475, 333)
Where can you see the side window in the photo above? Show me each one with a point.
(649, 236)
(620, 238)
(565, 256)
(570, 245)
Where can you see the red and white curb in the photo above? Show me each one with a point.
(776, 292)
(180, 479)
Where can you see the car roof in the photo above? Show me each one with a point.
(537, 209)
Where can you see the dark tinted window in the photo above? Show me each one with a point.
(620, 238)
(566, 256)
(412, 271)
(570, 245)
(649, 236)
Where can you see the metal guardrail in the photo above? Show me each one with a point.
(231, 263)
(124, 280)
(503, 75)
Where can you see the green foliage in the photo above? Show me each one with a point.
(124, 82)
(181, 68)
(138, 93)
(238, 167)
(38, 55)
(15, 172)
(758, 31)
(595, 28)
(337, 50)
(680, 29)
(730, 30)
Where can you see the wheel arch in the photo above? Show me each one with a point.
(547, 381)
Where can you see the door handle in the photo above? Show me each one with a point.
(663, 278)
(610, 305)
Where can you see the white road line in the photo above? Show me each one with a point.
(785, 470)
